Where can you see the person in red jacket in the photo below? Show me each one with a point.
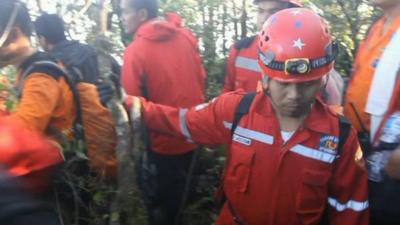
(286, 164)
(243, 72)
(163, 65)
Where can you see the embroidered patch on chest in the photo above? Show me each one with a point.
(329, 144)
(241, 140)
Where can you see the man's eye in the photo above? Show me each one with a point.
(284, 84)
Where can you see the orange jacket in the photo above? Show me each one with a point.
(270, 182)
(27, 154)
(46, 101)
(364, 69)
(163, 65)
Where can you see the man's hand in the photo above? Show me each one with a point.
(393, 166)
(106, 91)
(109, 88)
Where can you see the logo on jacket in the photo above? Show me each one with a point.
(329, 144)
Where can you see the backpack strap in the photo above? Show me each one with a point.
(245, 42)
(242, 109)
(344, 131)
(54, 70)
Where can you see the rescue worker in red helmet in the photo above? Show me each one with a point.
(243, 71)
(286, 164)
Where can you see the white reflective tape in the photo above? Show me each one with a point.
(313, 153)
(353, 205)
(184, 128)
(255, 135)
(201, 106)
(247, 63)
(227, 125)
(247, 133)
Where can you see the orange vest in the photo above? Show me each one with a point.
(368, 56)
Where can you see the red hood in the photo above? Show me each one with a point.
(156, 30)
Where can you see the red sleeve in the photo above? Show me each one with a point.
(230, 75)
(348, 192)
(133, 72)
(208, 123)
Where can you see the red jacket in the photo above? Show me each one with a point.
(26, 154)
(270, 182)
(163, 64)
(243, 71)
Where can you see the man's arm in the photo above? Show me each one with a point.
(393, 166)
(204, 124)
(348, 192)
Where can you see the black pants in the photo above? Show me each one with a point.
(18, 206)
(384, 199)
(162, 179)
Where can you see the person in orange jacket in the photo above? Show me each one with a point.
(376, 68)
(162, 64)
(374, 95)
(242, 70)
(46, 103)
(290, 162)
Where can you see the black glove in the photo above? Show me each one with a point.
(106, 91)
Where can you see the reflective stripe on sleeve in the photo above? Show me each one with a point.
(227, 125)
(353, 205)
(201, 106)
(184, 128)
(247, 63)
(313, 153)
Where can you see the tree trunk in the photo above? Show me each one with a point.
(235, 21)
(243, 20)
(224, 17)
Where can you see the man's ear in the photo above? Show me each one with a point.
(14, 35)
(265, 82)
(143, 15)
(324, 82)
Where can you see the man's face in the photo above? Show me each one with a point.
(294, 99)
(265, 9)
(131, 19)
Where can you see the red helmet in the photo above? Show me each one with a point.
(296, 46)
(294, 2)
